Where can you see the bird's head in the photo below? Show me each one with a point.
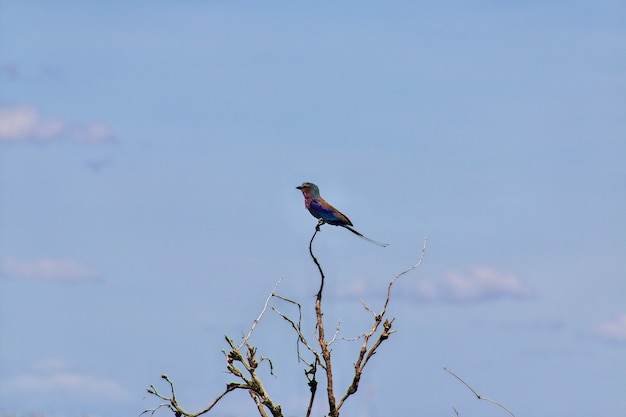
(309, 189)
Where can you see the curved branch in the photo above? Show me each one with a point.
(393, 281)
(366, 353)
(321, 339)
(319, 267)
(173, 405)
(258, 319)
(480, 397)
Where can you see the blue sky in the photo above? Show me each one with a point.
(149, 154)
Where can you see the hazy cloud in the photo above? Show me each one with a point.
(24, 124)
(53, 377)
(478, 284)
(48, 270)
(612, 330)
(92, 133)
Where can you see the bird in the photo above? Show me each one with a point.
(326, 213)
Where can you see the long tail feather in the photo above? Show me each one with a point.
(364, 237)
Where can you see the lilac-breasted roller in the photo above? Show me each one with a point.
(326, 213)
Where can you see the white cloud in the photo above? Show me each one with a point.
(426, 290)
(24, 124)
(21, 123)
(48, 270)
(613, 330)
(58, 380)
(478, 284)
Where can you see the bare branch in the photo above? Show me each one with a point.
(393, 281)
(321, 340)
(310, 376)
(480, 397)
(311, 372)
(366, 353)
(297, 304)
(319, 267)
(243, 363)
(301, 337)
(258, 403)
(229, 387)
(263, 358)
(367, 308)
(173, 405)
(155, 409)
(256, 321)
(253, 383)
(337, 329)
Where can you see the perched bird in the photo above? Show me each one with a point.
(326, 213)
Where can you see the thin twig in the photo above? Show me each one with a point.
(393, 281)
(319, 267)
(288, 300)
(480, 397)
(365, 353)
(297, 327)
(301, 337)
(337, 329)
(311, 372)
(173, 405)
(367, 308)
(256, 321)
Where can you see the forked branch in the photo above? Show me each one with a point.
(325, 351)
(172, 403)
(243, 363)
(248, 376)
(366, 352)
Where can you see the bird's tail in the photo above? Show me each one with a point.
(364, 237)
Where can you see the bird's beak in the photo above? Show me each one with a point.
(299, 187)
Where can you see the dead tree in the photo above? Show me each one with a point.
(242, 360)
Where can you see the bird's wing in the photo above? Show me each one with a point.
(322, 210)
